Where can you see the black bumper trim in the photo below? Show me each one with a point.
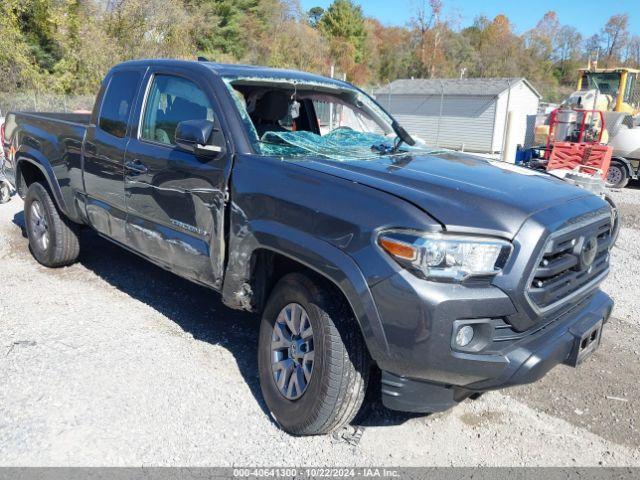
(407, 395)
(527, 362)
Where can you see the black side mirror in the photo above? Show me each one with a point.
(403, 134)
(193, 136)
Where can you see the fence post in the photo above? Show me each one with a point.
(440, 114)
(506, 123)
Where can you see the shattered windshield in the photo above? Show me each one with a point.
(296, 118)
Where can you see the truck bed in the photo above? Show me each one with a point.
(80, 118)
(54, 141)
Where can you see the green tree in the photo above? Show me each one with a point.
(344, 27)
(17, 64)
(150, 28)
(36, 20)
(219, 27)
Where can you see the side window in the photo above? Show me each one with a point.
(172, 100)
(118, 101)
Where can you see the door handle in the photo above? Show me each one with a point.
(136, 167)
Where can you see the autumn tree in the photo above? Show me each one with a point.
(66, 46)
(390, 50)
(542, 41)
(498, 48)
(429, 30)
(615, 36)
(343, 25)
(568, 53)
(632, 52)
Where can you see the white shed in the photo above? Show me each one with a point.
(463, 114)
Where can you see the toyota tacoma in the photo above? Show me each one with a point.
(298, 197)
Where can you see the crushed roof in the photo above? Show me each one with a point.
(452, 86)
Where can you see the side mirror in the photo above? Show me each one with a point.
(403, 134)
(193, 136)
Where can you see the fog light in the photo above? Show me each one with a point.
(464, 336)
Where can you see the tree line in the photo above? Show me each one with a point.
(66, 46)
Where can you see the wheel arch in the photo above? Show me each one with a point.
(275, 248)
(32, 166)
(625, 163)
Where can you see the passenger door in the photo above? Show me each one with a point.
(175, 200)
(104, 147)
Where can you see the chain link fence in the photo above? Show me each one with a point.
(44, 102)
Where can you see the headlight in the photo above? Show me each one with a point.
(439, 256)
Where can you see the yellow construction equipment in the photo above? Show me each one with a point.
(616, 93)
(618, 88)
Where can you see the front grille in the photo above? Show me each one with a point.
(567, 267)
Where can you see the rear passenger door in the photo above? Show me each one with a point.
(104, 148)
(175, 200)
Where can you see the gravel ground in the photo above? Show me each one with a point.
(115, 362)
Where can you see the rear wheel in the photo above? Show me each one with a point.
(617, 176)
(312, 360)
(53, 239)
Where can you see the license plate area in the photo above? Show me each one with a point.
(585, 344)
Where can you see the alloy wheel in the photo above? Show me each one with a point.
(39, 226)
(292, 351)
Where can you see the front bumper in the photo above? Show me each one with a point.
(515, 339)
(524, 360)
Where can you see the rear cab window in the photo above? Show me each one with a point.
(118, 102)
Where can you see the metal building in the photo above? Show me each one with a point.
(463, 114)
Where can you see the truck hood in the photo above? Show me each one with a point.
(463, 192)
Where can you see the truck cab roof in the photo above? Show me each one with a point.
(239, 70)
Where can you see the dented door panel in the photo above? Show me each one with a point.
(176, 200)
(175, 211)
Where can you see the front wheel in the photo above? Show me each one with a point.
(53, 239)
(617, 176)
(312, 361)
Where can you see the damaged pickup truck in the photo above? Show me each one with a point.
(299, 197)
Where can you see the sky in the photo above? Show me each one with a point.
(588, 16)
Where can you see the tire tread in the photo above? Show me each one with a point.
(346, 363)
(64, 240)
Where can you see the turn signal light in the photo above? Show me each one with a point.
(398, 249)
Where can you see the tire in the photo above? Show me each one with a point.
(339, 374)
(53, 238)
(617, 176)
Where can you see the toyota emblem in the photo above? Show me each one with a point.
(588, 253)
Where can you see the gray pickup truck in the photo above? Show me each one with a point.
(298, 197)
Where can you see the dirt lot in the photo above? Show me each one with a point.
(116, 362)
